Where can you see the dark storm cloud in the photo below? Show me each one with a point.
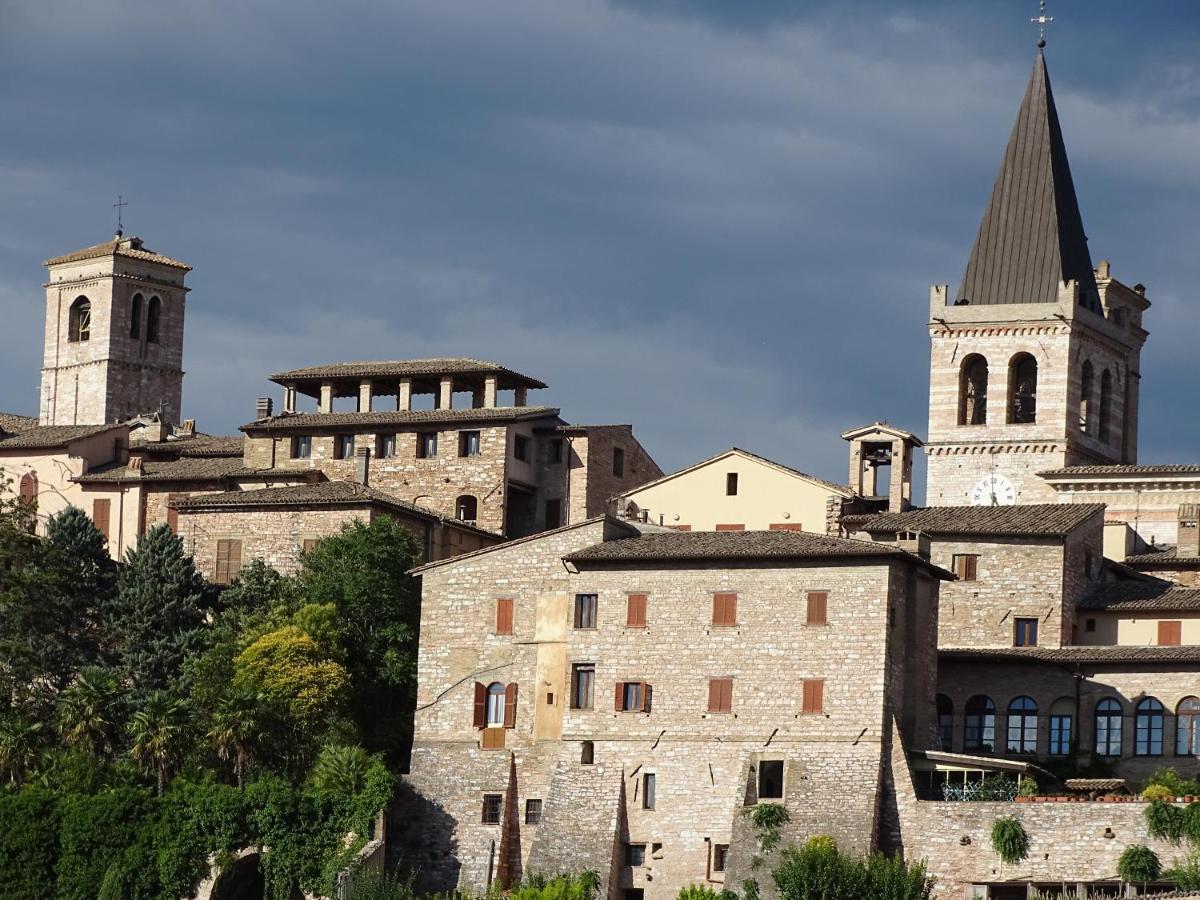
(716, 221)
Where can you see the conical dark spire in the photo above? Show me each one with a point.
(1031, 239)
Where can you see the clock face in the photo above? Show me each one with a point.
(993, 490)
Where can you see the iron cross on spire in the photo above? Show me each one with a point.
(1041, 21)
(118, 206)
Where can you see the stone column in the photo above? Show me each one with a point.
(364, 396)
(489, 392)
(326, 403)
(404, 395)
(446, 394)
(520, 396)
(289, 399)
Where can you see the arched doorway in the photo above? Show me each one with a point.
(240, 880)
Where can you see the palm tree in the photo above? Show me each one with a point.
(158, 731)
(87, 712)
(236, 728)
(20, 741)
(340, 769)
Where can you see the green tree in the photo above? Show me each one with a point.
(20, 744)
(18, 595)
(237, 729)
(256, 591)
(158, 734)
(363, 571)
(156, 615)
(89, 713)
(341, 769)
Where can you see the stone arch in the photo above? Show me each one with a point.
(79, 324)
(1087, 386)
(1106, 386)
(972, 390)
(1022, 389)
(135, 316)
(153, 320)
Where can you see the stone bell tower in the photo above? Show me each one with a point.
(114, 335)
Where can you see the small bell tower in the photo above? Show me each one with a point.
(877, 449)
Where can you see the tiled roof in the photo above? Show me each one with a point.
(1167, 556)
(1101, 654)
(47, 437)
(121, 246)
(405, 368)
(734, 545)
(214, 468)
(1041, 519)
(1141, 596)
(398, 418)
(627, 527)
(11, 423)
(197, 446)
(842, 489)
(1108, 471)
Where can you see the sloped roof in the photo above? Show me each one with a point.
(199, 468)
(130, 247)
(1037, 519)
(406, 368)
(885, 428)
(1031, 239)
(1116, 471)
(11, 423)
(1167, 557)
(841, 489)
(49, 437)
(200, 445)
(1142, 596)
(398, 418)
(1109, 653)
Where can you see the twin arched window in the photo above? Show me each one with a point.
(1108, 728)
(466, 508)
(979, 725)
(153, 319)
(972, 391)
(135, 316)
(79, 325)
(1022, 725)
(1022, 389)
(1148, 728)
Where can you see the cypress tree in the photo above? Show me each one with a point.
(155, 618)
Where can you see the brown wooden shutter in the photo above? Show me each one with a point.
(28, 489)
(101, 510)
(504, 615)
(972, 567)
(720, 694)
(731, 528)
(510, 705)
(646, 698)
(172, 513)
(1170, 634)
(480, 719)
(727, 695)
(235, 558)
(785, 526)
(636, 614)
(814, 695)
(818, 607)
(619, 703)
(724, 609)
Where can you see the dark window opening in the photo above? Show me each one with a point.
(553, 513)
(1089, 625)
(972, 391)
(302, 446)
(618, 462)
(648, 790)
(731, 484)
(1105, 405)
(385, 446)
(556, 450)
(427, 445)
(1025, 633)
(587, 753)
(979, 724)
(533, 812)
(521, 447)
(770, 779)
(585, 610)
(492, 805)
(79, 325)
(1022, 390)
(466, 509)
(468, 443)
(635, 855)
(1087, 384)
(343, 446)
(135, 316)
(720, 857)
(583, 681)
(1022, 725)
(153, 320)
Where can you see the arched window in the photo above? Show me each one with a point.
(587, 753)
(79, 326)
(945, 714)
(28, 490)
(1187, 727)
(1061, 716)
(1022, 390)
(495, 705)
(466, 508)
(1087, 385)
(972, 391)
(153, 317)
(1148, 728)
(1108, 728)
(979, 725)
(1105, 404)
(1022, 725)
(135, 316)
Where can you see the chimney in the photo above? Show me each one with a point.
(263, 408)
(915, 542)
(135, 464)
(187, 428)
(1188, 537)
(362, 456)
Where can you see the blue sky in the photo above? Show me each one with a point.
(716, 220)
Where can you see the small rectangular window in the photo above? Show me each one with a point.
(966, 566)
(724, 609)
(731, 484)
(635, 855)
(492, 805)
(521, 447)
(1060, 735)
(343, 446)
(631, 696)
(468, 443)
(635, 614)
(556, 450)
(553, 513)
(583, 679)
(385, 446)
(229, 561)
(308, 545)
(730, 527)
(101, 515)
(648, 787)
(720, 695)
(618, 462)
(770, 779)
(814, 695)
(172, 513)
(720, 855)
(1025, 633)
(427, 445)
(504, 616)
(1170, 633)
(818, 608)
(585, 610)
(302, 446)
(533, 812)
(1089, 625)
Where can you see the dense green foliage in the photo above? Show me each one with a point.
(1009, 840)
(1139, 864)
(150, 719)
(821, 872)
(1175, 784)
(697, 892)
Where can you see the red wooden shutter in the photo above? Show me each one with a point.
(814, 695)
(1170, 634)
(636, 615)
(29, 489)
(727, 695)
(785, 526)
(504, 616)
(731, 528)
(480, 719)
(725, 609)
(645, 698)
(172, 513)
(818, 603)
(972, 567)
(100, 515)
(510, 705)
(235, 558)
(619, 703)
(720, 694)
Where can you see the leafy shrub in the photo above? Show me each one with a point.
(1173, 782)
(1028, 787)
(1139, 864)
(768, 820)
(28, 844)
(1166, 822)
(1185, 874)
(562, 887)
(697, 892)
(820, 842)
(380, 886)
(823, 873)
(1009, 840)
(1159, 792)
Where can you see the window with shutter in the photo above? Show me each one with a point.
(785, 526)
(101, 510)
(731, 527)
(818, 607)
(172, 513)
(229, 561)
(966, 566)
(28, 489)
(479, 719)
(1170, 634)
(510, 705)
(720, 695)
(814, 695)
(724, 609)
(504, 616)
(636, 615)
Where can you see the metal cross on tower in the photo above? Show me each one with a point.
(118, 206)
(1041, 21)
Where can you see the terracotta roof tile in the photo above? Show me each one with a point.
(399, 418)
(1166, 556)
(199, 445)
(130, 247)
(215, 468)
(402, 368)
(48, 437)
(1040, 519)
(11, 423)
(1141, 596)
(1077, 654)
(1108, 471)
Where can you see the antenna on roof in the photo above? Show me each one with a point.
(1041, 22)
(118, 207)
